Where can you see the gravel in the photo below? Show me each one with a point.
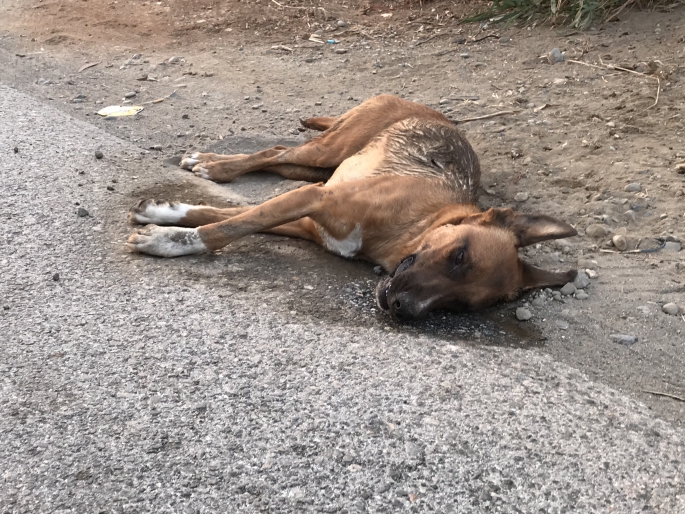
(624, 339)
(130, 385)
(523, 314)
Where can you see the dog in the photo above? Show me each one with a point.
(396, 184)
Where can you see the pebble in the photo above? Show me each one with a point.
(464, 55)
(538, 302)
(156, 147)
(341, 24)
(504, 39)
(568, 289)
(671, 309)
(582, 280)
(555, 56)
(130, 94)
(16, 149)
(460, 40)
(175, 59)
(563, 325)
(523, 314)
(99, 154)
(378, 270)
(620, 242)
(340, 51)
(672, 246)
(587, 264)
(633, 187)
(522, 196)
(596, 230)
(680, 167)
(55, 277)
(624, 339)
(582, 295)
(82, 213)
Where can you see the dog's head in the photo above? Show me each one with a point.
(467, 261)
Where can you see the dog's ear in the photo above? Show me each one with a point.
(528, 228)
(532, 277)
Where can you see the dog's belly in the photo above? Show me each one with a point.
(348, 246)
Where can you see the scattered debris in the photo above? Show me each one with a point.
(120, 110)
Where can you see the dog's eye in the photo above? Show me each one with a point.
(405, 264)
(459, 258)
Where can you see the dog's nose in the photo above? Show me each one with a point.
(403, 307)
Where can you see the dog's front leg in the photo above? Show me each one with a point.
(176, 241)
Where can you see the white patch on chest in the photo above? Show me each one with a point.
(348, 247)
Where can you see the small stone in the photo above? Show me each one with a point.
(633, 187)
(523, 314)
(443, 101)
(16, 149)
(460, 40)
(587, 264)
(671, 309)
(592, 274)
(555, 56)
(582, 295)
(538, 302)
(582, 280)
(82, 213)
(522, 196)
(341, 24)
(624, 339)
(55, 277)
(130, 94)
(185, 117)
(340, 51)
(464, 55)
(504, 39)
(99, 154)
(672, 246)
(378, 270)
(680, 167)
(596, 230)
(563, 325)
(142, 77)
(158, 148)
(620, 242)
(568, 289)
(110, 188)
(175, 60)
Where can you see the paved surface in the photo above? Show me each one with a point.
(132, 384)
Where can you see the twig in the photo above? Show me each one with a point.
(297, 7)
(486, 117)
(668, 395)
(618, 11)
(485, 37)
(88, 65)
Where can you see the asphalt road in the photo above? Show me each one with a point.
(134, 384)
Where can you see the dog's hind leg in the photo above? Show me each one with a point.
(321, 123)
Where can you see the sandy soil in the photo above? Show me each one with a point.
(581, 133)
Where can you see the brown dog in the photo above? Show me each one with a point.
(400, 191)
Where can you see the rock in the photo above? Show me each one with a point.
(555, 56)
(340, 51)
(539, 301)
(671, 309)
(130, 94)
(633, 187)
(378, 270)
(142, 77)
(80, 98)
(460, 40)
(680, 167)
(582, 295)
(620, 242)
(82, 213)
(504, 39)
(341, 24)
(672, 246)
(464, 55)
(175, 60)
(582, 280)
(568, 289)
(157, 148)
(522, 196)
(16, 149)
(563, 325)
(99, 154)
(55, 277)
(624, 339)
(523, 314)
(444, 101)
(587, 264)
(596, 230)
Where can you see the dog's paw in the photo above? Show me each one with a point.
(158, 213)
(203, 171)
(189, 161)
(166, 241)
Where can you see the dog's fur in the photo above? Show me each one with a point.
(401, 184)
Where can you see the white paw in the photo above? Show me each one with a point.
(159, 213)
(189, 162)
(166, 241)
(201, 172)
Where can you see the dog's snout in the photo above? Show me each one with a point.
(403, 307)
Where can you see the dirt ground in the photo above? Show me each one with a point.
(235, 74)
